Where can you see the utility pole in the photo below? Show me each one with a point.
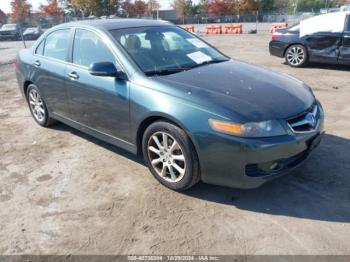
(296, 6)
(256, 18)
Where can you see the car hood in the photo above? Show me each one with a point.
(251, 92)
(7, 30)
(30, 31)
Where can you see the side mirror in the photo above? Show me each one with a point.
(103, 69)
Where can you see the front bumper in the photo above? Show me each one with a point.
(248, 163)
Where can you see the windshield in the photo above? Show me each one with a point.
(165, 49)
(9, 26)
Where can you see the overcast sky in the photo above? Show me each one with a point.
(6, 7)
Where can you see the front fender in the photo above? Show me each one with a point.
(147, 103)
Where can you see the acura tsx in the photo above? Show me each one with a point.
(153, 88)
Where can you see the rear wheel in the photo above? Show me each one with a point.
(38, 107)
(170, 156)
(296, 56)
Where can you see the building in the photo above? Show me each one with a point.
(3, 17)
(168, 15)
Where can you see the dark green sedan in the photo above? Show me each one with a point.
(155, 89)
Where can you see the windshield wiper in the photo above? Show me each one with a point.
(170, 71)
(167, 71)
(209, 62)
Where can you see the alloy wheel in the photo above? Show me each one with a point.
(36, 105)
(296, 56)
(166, 156)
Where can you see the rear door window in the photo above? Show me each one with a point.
(56, 44)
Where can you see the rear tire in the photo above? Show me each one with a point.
(38, 107)
(296, 56)
(170, 156)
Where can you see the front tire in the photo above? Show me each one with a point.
(296, 56)
(170, 156)
(38, 107)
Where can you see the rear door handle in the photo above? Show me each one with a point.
(37, 63)
(73, 75)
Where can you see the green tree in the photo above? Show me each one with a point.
(284, 6)
(183, 9)
(129, 8)
(315, 5)
(140, 7)
(202, 7)
(106, 7)
(267, 5)
(86, 7)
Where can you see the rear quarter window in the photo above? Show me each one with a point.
(40, 48)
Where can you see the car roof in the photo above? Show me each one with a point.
(117, 23)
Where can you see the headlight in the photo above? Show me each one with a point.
(254, 129)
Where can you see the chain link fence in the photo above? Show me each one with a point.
(169, 15)
(253, 22)
(246, 18)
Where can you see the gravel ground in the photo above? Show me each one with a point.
(9, 50)
(63, 192)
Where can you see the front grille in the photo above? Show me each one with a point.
(305, 122)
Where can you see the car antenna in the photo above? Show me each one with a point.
(23, 41)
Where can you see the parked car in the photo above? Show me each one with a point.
(345, 7)
(10, 32)
(151, 87)
(32, 33)
(323, 39)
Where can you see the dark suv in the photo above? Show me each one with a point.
(10, 31)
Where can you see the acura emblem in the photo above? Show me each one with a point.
(310, 119)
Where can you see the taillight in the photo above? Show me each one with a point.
(275, 36)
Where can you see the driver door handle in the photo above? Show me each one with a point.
(36, 63)
(73, 75)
